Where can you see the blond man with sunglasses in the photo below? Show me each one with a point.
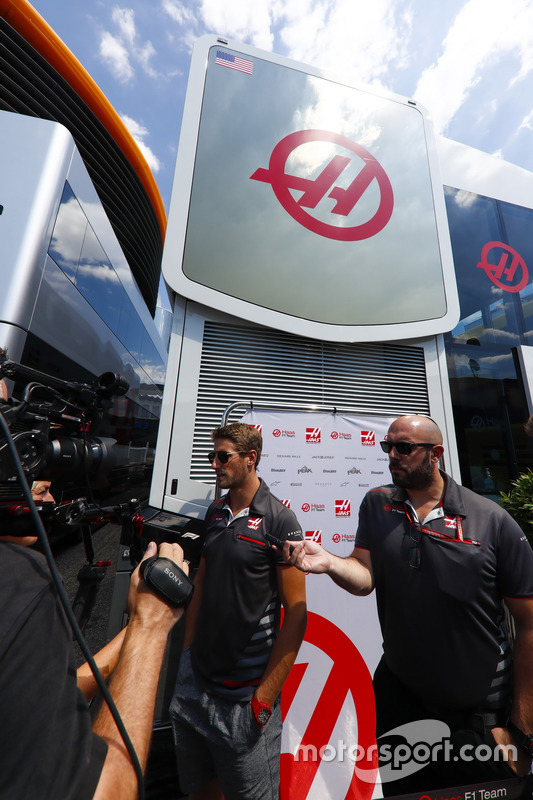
(442, 560)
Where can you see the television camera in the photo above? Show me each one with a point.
(50, 428)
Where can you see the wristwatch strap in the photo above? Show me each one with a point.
(261, 711)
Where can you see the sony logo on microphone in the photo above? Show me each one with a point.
(173, 576)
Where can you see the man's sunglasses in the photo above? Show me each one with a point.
(404, 448)
(223, 456)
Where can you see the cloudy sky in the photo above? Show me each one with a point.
(469, 62)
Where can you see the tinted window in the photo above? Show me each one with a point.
(68, 234)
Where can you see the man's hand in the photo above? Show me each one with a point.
(353, 573)
(143, 603)
(307, 556)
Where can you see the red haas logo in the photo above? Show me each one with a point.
(286, 503)
(368, 438)
(342, 508)
(276, 432)
(312, 435)
(257, 426)
(254, 523)
(314, 536)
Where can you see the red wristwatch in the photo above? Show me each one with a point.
(261, 711)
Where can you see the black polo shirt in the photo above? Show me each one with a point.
(240, 590)
(47, 748)
(442, 622)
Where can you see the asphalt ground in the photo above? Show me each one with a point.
(70, 557)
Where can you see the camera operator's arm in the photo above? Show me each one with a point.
(134, 682)
(106, 661)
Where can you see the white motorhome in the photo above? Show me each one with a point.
(329, 256)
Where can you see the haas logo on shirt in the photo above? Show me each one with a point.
(254, 523)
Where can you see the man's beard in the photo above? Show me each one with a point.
(416, 478)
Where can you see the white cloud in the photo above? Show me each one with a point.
(139, 133)
(124, 19)
(358, 41)
(115, 55)
(527, 122)
(482, 33)
(242, 20)
(122, 50)
(178, 12)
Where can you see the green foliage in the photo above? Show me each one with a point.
(519, 502)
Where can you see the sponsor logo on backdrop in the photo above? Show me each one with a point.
(314, 536)
(273, 469)
(354, 471)
(286, 503)
(312, 435)
(368, 438)
(304, 469)
(313, 507)
(343, 537)
(342, 508)
(341, 435)
(257, 426)
(277, 432)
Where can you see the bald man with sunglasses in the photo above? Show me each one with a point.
(442, 560)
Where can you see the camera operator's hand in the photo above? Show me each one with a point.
(143, 601)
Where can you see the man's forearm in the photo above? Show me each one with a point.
(350, 574)
(106, 660)
(283, 654)
(133, 688)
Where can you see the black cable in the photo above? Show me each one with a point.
(68, 610)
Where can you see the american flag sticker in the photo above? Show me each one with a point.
(234, 62)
